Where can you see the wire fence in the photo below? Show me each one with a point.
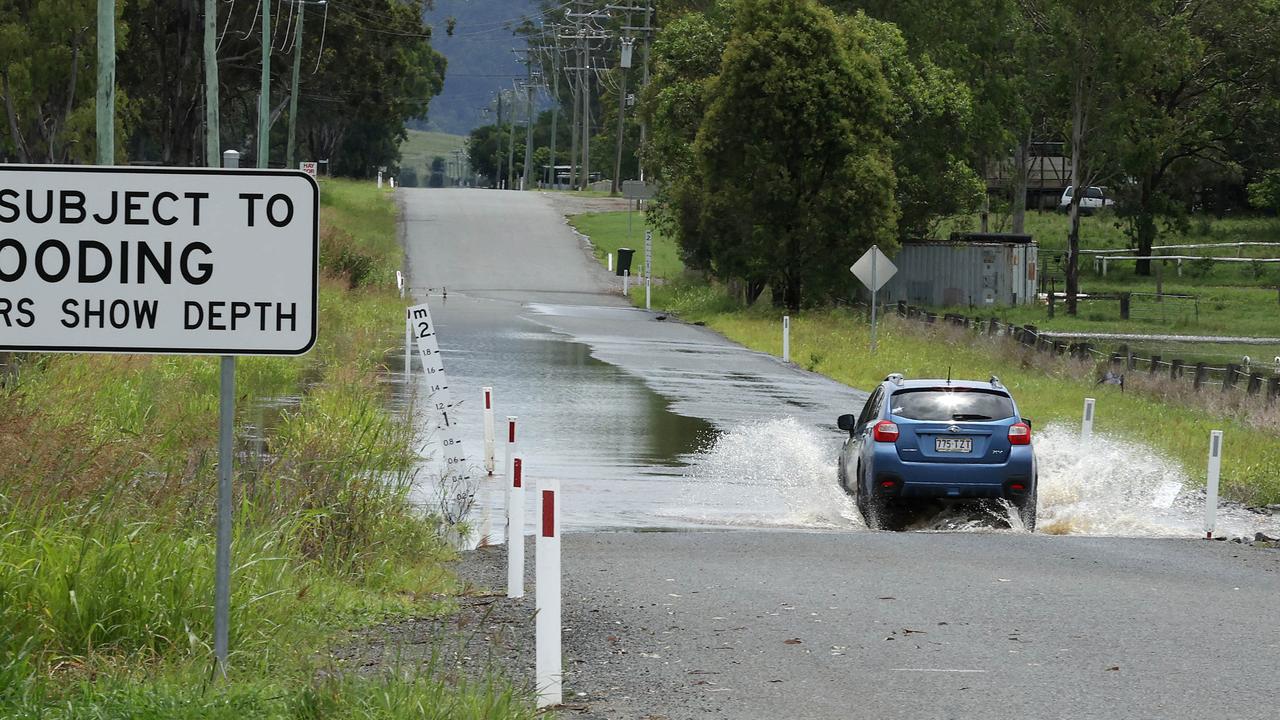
(1253, 379)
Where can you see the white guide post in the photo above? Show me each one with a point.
(488, 429)
(547, 581)
(1086, 425)
(1211, 489)
(515, 531)
(610, 262)
(786, 338)
(508, 464)
(626, 283)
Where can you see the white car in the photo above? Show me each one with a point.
(1095, 198)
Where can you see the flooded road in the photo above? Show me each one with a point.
(655, 424)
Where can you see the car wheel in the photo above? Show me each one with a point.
(1027, 512)
(872, 512)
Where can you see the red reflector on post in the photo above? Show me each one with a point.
(511, 431)
(548, 513)
(516, 482)
(488, 401)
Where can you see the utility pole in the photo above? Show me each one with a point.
(212, 129)
(528, 126)
(497, 144)
(292, 144)
(264, 90)
(623, 64)
(106, 105)
(644, 125)
(511, 141)
(555, 101)
(584, 57)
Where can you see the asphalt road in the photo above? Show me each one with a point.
(755, 623)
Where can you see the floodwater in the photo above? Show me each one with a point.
(647, 430)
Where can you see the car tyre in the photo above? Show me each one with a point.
(872, 512)
(1027, 511)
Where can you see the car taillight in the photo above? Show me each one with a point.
(1019, 434)
(885, 431)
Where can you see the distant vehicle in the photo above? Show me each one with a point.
(926, 440)
(1095, 199)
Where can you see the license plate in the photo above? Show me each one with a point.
(953, 445)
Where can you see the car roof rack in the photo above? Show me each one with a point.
(895, 378)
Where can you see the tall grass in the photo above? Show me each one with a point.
(107, 514)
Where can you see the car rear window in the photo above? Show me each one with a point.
(951, 404)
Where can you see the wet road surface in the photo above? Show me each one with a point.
(658, 425)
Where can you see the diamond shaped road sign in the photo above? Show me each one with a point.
(874, 269)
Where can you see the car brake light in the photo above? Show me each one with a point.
(1019, 434)
(885, 431)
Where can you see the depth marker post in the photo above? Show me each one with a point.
(408, 351)
(488, 429)
(1211, 488)
(547, 580)
(786, 338)
(1086, 425)
(515, 531)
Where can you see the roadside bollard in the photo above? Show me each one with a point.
(488, 429)
(786, 338)
(648, 292)
(400, 283)
(515, 532)
(1086, 427)
(1211, 488)
(626, 283)
(508, 463)
(408, 353)
(610, 262)
(547, 580)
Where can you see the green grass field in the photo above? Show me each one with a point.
(836, 343)
(107, 521)
(421, 147)
(609, 231)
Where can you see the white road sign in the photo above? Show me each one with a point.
(309, 167)
(874, 269)
(157, 260)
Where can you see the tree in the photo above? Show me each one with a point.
(793, 153)
(1208, 68)
(48, 75)
(1089, 51)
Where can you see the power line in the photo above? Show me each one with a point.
(323, 26)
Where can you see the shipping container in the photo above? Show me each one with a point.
(969, 270)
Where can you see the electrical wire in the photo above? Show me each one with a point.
(294, 5)
(230, 11)
(323, 26)
(252, 23)
(275, 23)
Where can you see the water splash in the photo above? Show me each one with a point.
(771, 473)
(782, 473)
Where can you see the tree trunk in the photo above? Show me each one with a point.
(754, 289)
(1077, 159)
(1146, 226)
(1019, 198)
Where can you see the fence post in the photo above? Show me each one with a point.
(1133, 361)
(1086, 426)
(1211, 489)
(1175, 369)
(1255, 383)
(1125, 299)
(902, 308)
(1200, 375)
(1229, 377)
(1273, 388)
(1155, 362)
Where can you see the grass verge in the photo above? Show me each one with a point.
(107, 520)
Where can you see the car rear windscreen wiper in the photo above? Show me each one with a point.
(969, 416)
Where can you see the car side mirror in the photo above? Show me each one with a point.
(848, 423)
(1027, 420)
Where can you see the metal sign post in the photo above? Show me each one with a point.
(874, 270)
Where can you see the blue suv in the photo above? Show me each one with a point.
(920, 440)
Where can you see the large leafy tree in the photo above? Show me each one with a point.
(794, 153)
(1209, 70)
(48, 75)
